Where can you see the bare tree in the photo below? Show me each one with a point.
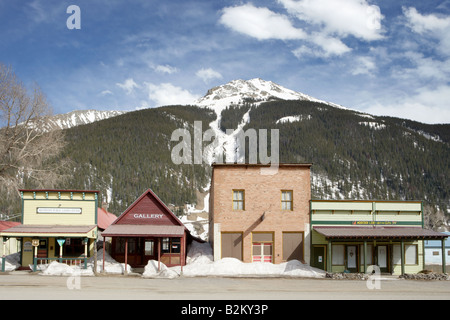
(27, 152)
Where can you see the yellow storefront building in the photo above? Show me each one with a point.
(57, 225)
(350, 236)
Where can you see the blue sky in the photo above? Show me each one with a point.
(379, 56)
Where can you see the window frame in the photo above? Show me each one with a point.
(291, 202)
(237, 200)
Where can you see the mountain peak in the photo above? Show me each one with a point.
(255, 90)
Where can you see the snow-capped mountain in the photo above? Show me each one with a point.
(254, 90)
(79, 117)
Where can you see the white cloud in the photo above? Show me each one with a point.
(427, 106)
(105, 92)
(165, 69)
(330, 46)
(128, 85)
(208, 74)
(166, 94)
(364, 65)
(339, 17)
(431, 26)
(260, 23)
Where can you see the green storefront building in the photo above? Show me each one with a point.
(350, 236)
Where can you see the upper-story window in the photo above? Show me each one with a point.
(238, 200)
(286, 200)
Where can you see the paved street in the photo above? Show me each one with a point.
(32, 286)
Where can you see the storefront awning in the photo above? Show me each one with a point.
(130, 230)
(375, 233)
(64, 231)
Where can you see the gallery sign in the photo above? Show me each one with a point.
(148, 216)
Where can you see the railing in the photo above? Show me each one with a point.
(81, 261)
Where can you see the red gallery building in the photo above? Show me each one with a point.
(148, 230)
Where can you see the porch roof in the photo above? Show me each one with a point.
(379, 233)
(132, 230)
(67, 231)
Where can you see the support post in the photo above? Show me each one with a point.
(402, 255)
(4, 254)
(126, 255)
(103, 262)
(159, 254)
(35, 259)
(444, 267)
(365, 256)
(86, 241)
(329, 256)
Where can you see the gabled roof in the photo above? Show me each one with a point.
(150, 193)
(105, 218)
(8, 224)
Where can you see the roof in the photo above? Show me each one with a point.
(378, 233)
(8, 224)
(105, 218)
(129, 230)
(438, 243)
(49, 230)
(163, 205)
(57, 190)
(261, 165)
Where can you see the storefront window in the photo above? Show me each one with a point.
(73, 247)
(338, 255)
(171, 245)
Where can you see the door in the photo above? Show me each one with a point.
(319, 257)
(382, 258)
(262, 252)
(292, 246)
(149, 251)
(42, 249)
(232, 245)
(352, 258)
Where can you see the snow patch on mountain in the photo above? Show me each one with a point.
(77, 118)
(255, 91)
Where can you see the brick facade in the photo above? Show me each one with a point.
(263, 207)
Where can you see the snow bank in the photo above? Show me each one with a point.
(12, 262)
(61, 269)
(199, 262)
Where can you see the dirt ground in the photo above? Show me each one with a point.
(28, 286)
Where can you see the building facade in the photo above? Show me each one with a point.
(349, 236)
(56, 225)
(260, 216)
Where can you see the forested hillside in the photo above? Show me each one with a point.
(125, 155)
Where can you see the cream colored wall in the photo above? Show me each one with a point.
(85, 201)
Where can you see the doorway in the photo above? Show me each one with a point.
(262, 252)
(319, 260)
(382, 258)
(352, 258)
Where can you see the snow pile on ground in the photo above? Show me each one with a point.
(151, 270)
(12, 262)
(61, 269)
(199, 262)
(111, 265)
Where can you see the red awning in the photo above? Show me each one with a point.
(379, 233)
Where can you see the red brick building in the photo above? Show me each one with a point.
(255, 216)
